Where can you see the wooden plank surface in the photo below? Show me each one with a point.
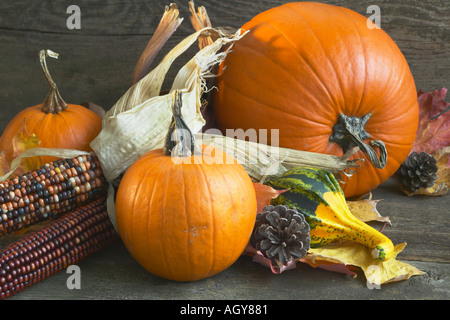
(421, 222)
(96, 64)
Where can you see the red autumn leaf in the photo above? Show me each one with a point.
(434, 122)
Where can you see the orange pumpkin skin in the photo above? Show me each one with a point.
(72, 128)
(185, 222)
(301, 65)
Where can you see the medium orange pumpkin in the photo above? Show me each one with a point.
(328, 80)
(54, 122)
(187, 216)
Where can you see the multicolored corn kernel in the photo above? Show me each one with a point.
(53, 189)
(62, 242)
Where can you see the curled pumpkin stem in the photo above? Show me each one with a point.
(349, 132)
(53, 103)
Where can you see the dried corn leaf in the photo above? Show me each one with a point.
(139, 121)
(366, 210)
(170, 21)
(262, 161)
(200, 20)
(434, 122)
(37, 152)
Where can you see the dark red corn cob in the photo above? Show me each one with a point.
(55, 188)
(62, 242)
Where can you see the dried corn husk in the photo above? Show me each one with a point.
(169, 22)
(38, 151)
(139, 121)
(200, 20)
(262, 161)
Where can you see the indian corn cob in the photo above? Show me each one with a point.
(62, 242)
(53, 189)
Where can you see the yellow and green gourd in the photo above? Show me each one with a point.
(318, 196)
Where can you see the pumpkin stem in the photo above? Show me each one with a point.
(349, 132)
(180, 141)
(53, 103)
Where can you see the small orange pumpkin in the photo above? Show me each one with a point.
(329, 80)
(182, 215)
(54, 122)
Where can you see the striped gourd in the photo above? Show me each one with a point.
(318, 196)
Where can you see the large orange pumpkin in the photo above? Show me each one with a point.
(328, 80)
(54, 122)
(185, 217)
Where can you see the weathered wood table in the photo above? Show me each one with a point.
(96, 63)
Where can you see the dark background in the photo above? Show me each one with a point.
(96, 64)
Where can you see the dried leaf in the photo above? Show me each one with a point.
(366, 210)
(258, 257)
(349, 253)
(434, 122)
(23, 140)
(264, 194)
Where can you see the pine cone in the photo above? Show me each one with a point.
(280, 234)
(418, 171)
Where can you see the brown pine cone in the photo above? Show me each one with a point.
(418, 171)
(281, 233)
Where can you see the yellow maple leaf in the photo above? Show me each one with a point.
(366, 210)
(349, 253)
(23, 140)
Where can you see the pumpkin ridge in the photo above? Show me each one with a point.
(358, 105)
(187, 218)
(387, 142)
(66, 122)
(275, 108)
(280, 67)
(163, 202)
(264, 104)
(213, 224)
(306, 63)
(232, 203)
(47, 121)
(150, 201)
(332, 66)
